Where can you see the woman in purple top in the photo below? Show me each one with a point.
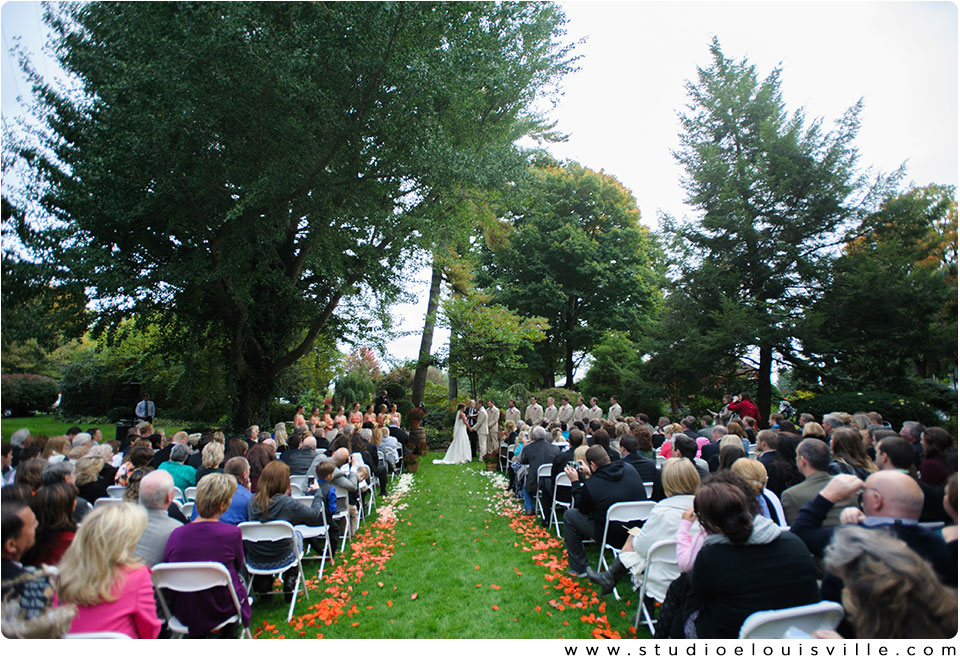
(209, 540)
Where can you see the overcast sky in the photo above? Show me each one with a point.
(620, 108)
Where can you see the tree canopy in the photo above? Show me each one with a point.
(574, 254)
(255, 169)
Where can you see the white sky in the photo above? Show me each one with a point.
(620, 108)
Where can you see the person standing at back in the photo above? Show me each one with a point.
(146, 410)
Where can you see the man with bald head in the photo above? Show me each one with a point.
(890, 500)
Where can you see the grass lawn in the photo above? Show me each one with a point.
(450, 556)
(50, 425)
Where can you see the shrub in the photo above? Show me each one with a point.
(438, 439)
(281, 412)
(23, 393)
(121, 413)
(894, 408)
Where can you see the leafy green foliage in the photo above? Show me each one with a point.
(23, 393)
(619, 369)
(250, 168)
(353, 387)
(888, 317)
(575, 255)
(487, 339)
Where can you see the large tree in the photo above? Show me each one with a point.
(576, 255)
(771, 193)
(257, 168)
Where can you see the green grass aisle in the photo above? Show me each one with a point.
(449, 555)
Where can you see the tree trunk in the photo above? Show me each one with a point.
(571, 321)
(763, 383)
(451, 375)
(426, 341)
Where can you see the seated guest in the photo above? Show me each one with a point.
(680, 483)
(209, 539)
(813, 460)
(849, 453)
(140, 455)
(670, 431)
(601, 437)
(783, 472)
(30, 471)
(782, 573)
(184, 476)
(271, 502)
(684, 446)
(53, 506)
(891, 500)
(392, 450)
(211, 460)
(894, 453)
(933, 469)
(756, 476)
(89, 480)
(156, 494)
(300, 459)
(644, 465)
(536, 453)
(729, 453)
(102, 576)
(22, 587)
(132, 493)
(949, 533)
(324, 487)
(891, 592)
(814, 430)
(598, 484)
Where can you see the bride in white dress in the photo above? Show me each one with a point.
(459, 450)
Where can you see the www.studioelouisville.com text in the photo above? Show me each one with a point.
(787, 650)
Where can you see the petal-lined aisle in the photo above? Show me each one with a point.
(448, 555)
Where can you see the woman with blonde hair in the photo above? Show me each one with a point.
(55, 445)
(814, 430)
(100, 574)
(755, 473)
(680, 482)
(889, 592)
(671, 430)
(211, 460)
(89, 478)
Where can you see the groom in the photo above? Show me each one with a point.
(480, 432)
(472, 431)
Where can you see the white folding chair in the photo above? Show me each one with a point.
(374, 487)
(662, 555)
(933, 525)
(543, 472)
(808, 618)
(560, 480)
(622, 512)
(343, 513)
(502, 457)
(274, 531)
(194, 577)
(116, 491)
(177, 494)
(106, 501)
(186, 509)
(97, 635)
(310, 532)
(296, 491)
(299, 480)
(190, 495)
(648, 487)
(660, 461)
(778, 514)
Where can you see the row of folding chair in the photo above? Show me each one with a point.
(118, 490)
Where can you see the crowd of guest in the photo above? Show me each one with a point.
(809, 508)
(102, 514)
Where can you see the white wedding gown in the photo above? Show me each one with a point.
(459, 450)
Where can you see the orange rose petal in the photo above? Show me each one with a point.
(413, 596)
(496, 608)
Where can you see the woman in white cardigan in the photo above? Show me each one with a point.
(680, 482)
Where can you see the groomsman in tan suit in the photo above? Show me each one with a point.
(581, 411)
(513, 413)
(615, 409)
(595, 412)
(482, 430)
(533, 413)
(566, 413)
(493, 427)
(550, 412)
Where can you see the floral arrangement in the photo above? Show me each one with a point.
(416, 414)
(491, 457)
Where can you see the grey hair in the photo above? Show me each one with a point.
(913, 428)
(81, 439)
(308, 443)
(538, 433)
(56, 472)
(366, 434)
(103, 451)
(180, 452)
(193, 439)
(347, 429)
(722, 430)
(154, 489)
(832, 420)
(19, 436)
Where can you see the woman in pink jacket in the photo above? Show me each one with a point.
(100, 574)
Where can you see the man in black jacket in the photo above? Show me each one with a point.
(645, 466)
(599, 484)
(535, 453)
